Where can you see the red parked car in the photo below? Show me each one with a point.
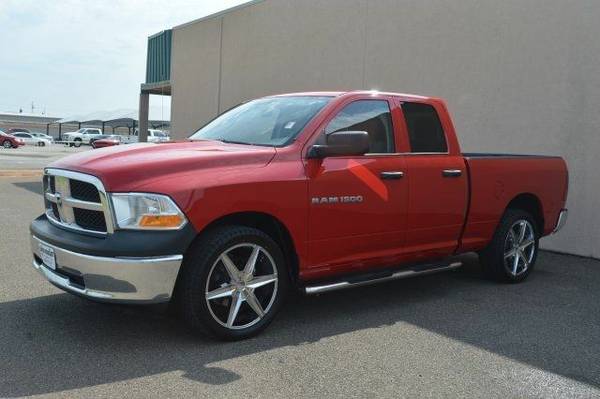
(108, 141)
(311, 192)
(9, 141)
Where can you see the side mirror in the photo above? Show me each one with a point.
(341, 144)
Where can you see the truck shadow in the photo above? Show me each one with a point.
(35, 187)
(60, 342)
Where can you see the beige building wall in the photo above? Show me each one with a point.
(519, 75)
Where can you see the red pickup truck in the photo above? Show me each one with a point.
(308, 191)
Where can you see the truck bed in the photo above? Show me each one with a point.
(497, 179)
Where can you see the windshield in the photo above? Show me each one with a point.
(274, 121)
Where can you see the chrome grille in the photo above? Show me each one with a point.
(77, 201)
(84, 191)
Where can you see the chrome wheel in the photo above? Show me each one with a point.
(241, 286)
(519, 247)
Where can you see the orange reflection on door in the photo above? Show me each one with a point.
(367, 176)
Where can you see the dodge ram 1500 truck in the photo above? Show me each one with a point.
(308, 191)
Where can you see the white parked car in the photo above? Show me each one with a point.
(82, 136)
(42, 136)
(154, 136)
(30, 139)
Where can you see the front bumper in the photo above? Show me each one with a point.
(147, 280)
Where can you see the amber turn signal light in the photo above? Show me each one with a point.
(164, 221)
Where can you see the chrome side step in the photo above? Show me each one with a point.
(406, 273)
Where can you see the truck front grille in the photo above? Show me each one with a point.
(76, 201)
(84, 191)
(55, 211)
(90, 220)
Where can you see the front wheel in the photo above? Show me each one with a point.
(512, 254)
(233, 282)
(7, 144)
(77, 143)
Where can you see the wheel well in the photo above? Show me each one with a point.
(269, 225)
(530, 203)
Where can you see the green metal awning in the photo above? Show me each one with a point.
(158, 61)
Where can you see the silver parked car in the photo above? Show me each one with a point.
(30, 139)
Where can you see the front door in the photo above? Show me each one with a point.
(358, 203)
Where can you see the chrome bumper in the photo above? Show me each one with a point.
(109, 279)
(562, 220)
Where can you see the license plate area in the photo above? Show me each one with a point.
(47, 256)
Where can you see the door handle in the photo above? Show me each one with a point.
(451, 172)
(395, 175)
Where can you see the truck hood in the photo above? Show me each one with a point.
(125, 167)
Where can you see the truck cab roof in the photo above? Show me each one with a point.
(409, 97)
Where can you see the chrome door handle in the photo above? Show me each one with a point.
(451, 172)
(392, 175)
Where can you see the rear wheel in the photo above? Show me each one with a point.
(233, 283)
(512, 254)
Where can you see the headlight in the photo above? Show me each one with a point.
(141, 211)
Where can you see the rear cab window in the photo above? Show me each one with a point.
(425, 131)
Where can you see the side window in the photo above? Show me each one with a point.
(371, 116)
(425, 130)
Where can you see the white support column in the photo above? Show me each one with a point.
(144, 111)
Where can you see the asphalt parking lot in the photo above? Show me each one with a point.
(446, 335)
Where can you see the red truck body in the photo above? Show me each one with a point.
(420, 217)
(326, 209)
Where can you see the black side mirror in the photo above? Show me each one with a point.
(341, 144)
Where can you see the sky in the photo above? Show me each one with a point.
(73, 57)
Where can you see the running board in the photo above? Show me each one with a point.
(368, 280)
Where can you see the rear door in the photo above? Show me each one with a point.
(91, 134)
(358, 203)
(437, 179)
(26, 137)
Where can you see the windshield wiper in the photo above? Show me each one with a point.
(234, 142)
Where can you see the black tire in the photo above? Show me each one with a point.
(496, 259)
(202, 263)
(77, 143)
